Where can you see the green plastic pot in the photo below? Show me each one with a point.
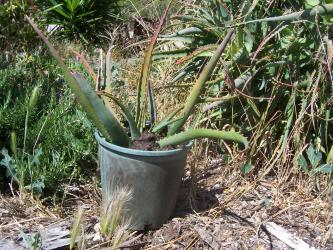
(153, 177)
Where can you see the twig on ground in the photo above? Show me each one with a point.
(286, 237)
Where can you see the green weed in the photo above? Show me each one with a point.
(45, 131)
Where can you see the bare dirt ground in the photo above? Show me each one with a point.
(222, 210)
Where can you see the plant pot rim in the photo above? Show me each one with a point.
(102, 141)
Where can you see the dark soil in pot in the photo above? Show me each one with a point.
(148, 142)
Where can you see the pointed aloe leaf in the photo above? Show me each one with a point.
(186, 31)
(319, 10)
(207, 50)
(104, 121)
(101, 115)
(143, 81)
(170, 53)
(203, 133)
(187, 70)
(184, 39)
(135, 133)
(200, 83)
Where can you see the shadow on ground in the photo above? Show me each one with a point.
(195, 199)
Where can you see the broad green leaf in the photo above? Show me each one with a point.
(38, 186)
(314, 156)
(312, 3)
(303, 163)
(247, 167)
(10, 165)
(324, 169)
(36, 156)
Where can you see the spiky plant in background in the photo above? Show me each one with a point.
(83, 19)
(275, 82)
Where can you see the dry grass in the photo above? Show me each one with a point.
(226, 208)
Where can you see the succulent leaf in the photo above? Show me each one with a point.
(203, 133)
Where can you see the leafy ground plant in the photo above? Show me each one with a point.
(106, 122)
(43, 135)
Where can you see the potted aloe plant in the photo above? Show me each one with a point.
(153, 176)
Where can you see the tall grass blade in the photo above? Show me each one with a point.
(143, 81)
(75, 228)
(13, 144)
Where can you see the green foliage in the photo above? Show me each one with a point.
(247, 167)
(278, 73)
(314, 157)
(200, 84)
(15, 33)
(143, 83)
(56, 135)
(33, 241)
(145, 8)
(85, 19)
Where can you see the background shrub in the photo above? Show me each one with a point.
(15, 32)
(58, 136)
(275, 83)
(74, 19)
